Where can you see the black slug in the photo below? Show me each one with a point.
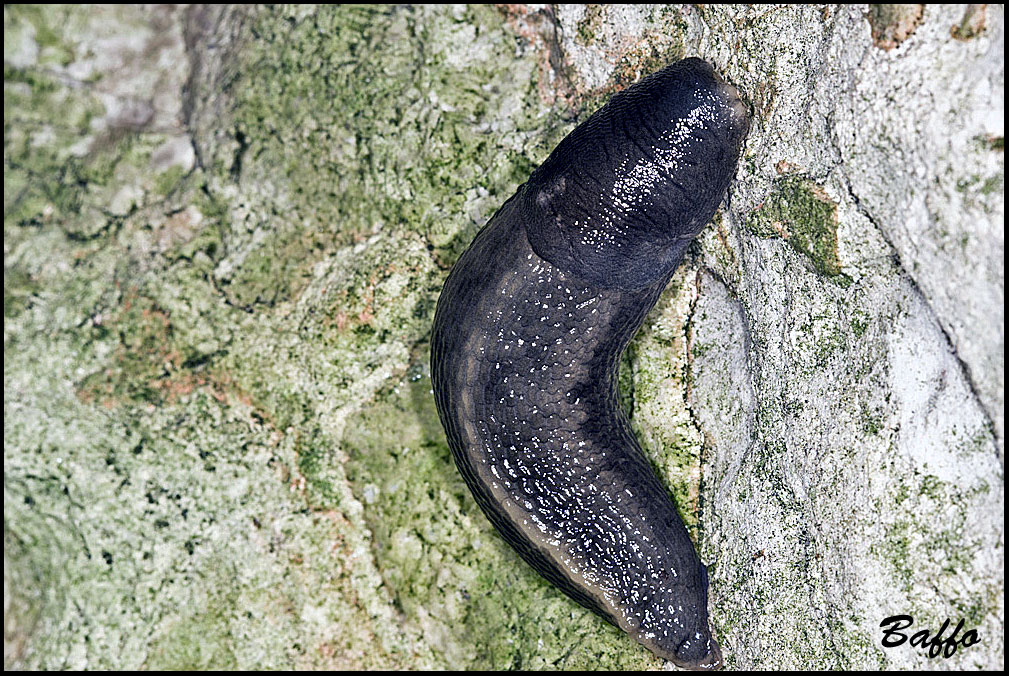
(528, 335)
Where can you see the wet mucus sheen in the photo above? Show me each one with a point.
(528, 334)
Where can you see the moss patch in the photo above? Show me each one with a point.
(800, 212)
(356, 120)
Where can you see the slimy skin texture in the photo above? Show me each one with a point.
(528, 334)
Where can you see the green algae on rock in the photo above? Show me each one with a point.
(800, 212)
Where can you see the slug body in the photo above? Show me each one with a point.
(528, 335)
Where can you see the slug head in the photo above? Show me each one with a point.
(622, 195)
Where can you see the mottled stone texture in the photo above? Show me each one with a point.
(224, 233)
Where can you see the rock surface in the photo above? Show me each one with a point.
(225, 230)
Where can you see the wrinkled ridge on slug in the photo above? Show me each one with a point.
(528, 335)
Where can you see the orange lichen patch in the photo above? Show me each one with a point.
(367, 313)
(347, 314)
(653, 51)
(726, 253)
(722, 237)
(634, 55)
(786, 167)
(149, 365)
(993, 142)
(893, 24)
(353, 308)
(780, 228)
(972, 24)
(178, 228)
(537, 26)
(764, 96)
(339, 524)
